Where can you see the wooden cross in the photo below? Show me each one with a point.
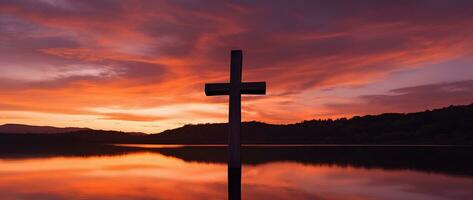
(235, 89)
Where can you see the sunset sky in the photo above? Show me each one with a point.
(142, 65)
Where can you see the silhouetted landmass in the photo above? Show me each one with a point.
(76, 137)
(21, 128)
(452, 125)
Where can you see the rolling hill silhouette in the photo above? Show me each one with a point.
(21, 128)
(451, 126)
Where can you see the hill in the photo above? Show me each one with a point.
(450, 126)
(22, 129)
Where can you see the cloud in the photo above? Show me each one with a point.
(408, 99)
(73, 55)
(130, 117)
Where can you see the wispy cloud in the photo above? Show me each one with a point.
(415, 98)
(69, 56)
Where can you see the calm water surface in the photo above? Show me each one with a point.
(200, 172)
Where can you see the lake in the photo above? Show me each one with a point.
(269, 172)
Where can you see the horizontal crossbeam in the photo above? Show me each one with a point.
(253, 88)
(214, 89)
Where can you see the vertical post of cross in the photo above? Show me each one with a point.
(234, 126)
(235, 89)
(234, 122)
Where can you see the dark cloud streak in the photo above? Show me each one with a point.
(408, 99)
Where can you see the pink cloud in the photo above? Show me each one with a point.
(160, 53)
(408, 99)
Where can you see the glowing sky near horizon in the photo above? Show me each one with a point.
(141, 65)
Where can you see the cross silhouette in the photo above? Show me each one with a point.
(235, 89)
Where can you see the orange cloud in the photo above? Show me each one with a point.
(130, 117)
(69, 58)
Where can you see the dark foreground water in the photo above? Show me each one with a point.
(269, 172)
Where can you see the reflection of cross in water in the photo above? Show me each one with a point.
(235, 88)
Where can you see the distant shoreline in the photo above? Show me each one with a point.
(284, 145)
(440, 127)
